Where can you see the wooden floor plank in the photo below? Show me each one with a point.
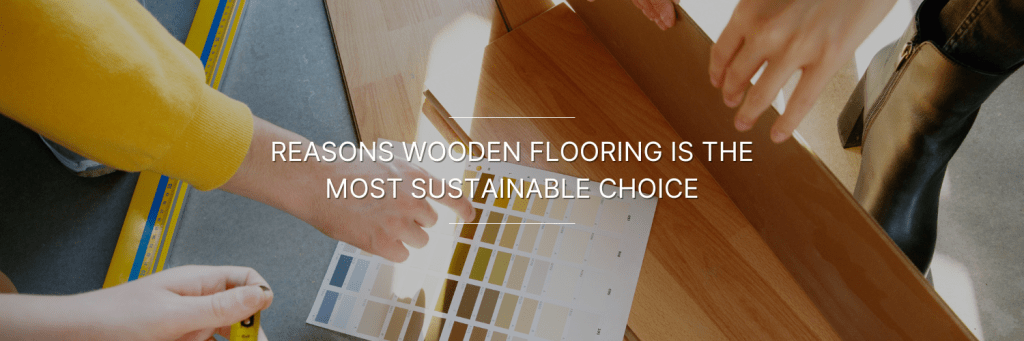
(853, 272)
(706, 274)
(388, 49)
(518, 12)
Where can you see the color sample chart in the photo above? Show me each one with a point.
(525, 268)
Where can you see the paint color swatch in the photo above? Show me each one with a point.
(483, 257)
(518, 273)
(538, 276)
(552, 321)
(584, 211)
(395, 326)
(508, 235)
(540, 205)
(574, 245)
(469, 229)
(500, 267)
(458, 259)
(547, 240)
(468, 302)
(526, 312)
(508, 307)
(491, 229)
(373, 318)
(487, 304)
(523, 269)
(341, 270)
(558, 207)
(343, 311)
(529, 239)
(356, 282)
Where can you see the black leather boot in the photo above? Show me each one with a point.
(920, 104)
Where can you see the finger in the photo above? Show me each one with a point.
(414, 236)
(666, 13)
(224, 308)
(391, 249)
(737, 75)
(462, 206)
(196, 280)
(804, 96)
(425, 216)
(723, 51)
(760, 96)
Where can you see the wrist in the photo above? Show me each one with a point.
(47, 318)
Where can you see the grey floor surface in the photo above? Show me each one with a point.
(979, 260)
(57, 231)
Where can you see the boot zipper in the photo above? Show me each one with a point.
(908, 50)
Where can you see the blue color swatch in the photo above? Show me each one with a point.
(356, 282)
(341, 270)
(326, 307)
(344, 311)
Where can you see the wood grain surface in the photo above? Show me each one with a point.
(707, 274)
(518, 12)
(388, 48)
(847, 265)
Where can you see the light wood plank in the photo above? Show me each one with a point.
(706, 273)
(388, 48)
(518, 12)
(854, 273)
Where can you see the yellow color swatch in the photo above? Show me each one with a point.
(499, 268)
(483, 256)
(502, 200)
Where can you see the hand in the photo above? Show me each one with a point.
(661, 12)
(814, 36)
(184, 303)
(378, 226)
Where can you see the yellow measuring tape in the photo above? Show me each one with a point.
(157, 201)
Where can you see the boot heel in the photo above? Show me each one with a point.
(851, 119)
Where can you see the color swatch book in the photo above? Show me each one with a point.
(525, 268)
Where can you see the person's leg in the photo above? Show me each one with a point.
(914, 107)
(984, 34)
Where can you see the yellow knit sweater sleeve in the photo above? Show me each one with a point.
(106, 80)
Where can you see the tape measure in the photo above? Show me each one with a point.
(157, 201)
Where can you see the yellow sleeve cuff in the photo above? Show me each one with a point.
(213, 145)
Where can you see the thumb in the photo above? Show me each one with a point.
(227, 307)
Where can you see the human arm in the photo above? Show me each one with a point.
(113, 85)
(106, 80)
(378, 226)
(183, 303)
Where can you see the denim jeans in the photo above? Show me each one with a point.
(987, 35)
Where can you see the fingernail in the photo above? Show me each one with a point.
(714, 82)
(742, 125)
(729, 102)
(778, 136)
(267, 293)
(666, 18)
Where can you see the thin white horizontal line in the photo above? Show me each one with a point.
(514, 117)
(513, 223)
